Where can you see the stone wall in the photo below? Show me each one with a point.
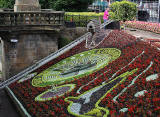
(29, 48)
(73, 33)
(21, 49)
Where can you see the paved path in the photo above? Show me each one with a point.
(146, 36)
(6, 106)
(143, 34)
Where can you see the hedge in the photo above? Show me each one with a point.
(81, 19)
(123, 11)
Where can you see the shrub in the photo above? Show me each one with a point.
(62, 42)
(72, 5)
(123, 11)
(84, 13)
(7, 3)
(82, 18)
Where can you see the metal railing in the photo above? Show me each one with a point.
(9, 18)
(79, 20)
(106, 23)
(44, 61)
(49, 58)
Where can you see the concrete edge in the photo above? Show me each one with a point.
(17, 103)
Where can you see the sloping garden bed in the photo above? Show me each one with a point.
(120, 77)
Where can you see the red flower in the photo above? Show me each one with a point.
(52, 113)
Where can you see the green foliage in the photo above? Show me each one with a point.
(62, 42)
(72, 5)
(123, 11)
(47, 4)
(82, 18)
(7, 3)
(96, 112)
(84, 13)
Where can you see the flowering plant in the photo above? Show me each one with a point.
(126, 86)
(148, 26)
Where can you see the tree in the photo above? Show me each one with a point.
(47, 4)
(72, 5)
(7, 3)
(123, 10)
(66, 5)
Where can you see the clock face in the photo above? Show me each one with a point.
(76, 66)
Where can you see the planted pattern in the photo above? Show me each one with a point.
(76, 66)
(54, 92)
(126, 86)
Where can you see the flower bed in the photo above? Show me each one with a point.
(127, 85)
(148, 26)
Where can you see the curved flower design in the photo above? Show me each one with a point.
(54, 92)
(106, 79)
(76, 66)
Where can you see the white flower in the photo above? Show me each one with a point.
(123, 110)
(140, 93)
(152, 77)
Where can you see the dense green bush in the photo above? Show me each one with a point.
(6, 3)
(47, 4)
(72, 5)
(62, 42)
(85, 13)
(123, 11)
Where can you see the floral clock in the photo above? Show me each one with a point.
(70, 68)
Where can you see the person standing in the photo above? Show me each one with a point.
(106, 14)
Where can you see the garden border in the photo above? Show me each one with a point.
(18, 104)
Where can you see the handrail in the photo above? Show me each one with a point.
(106, 23)
(79, 20)
(44, 61)
(49, 58)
